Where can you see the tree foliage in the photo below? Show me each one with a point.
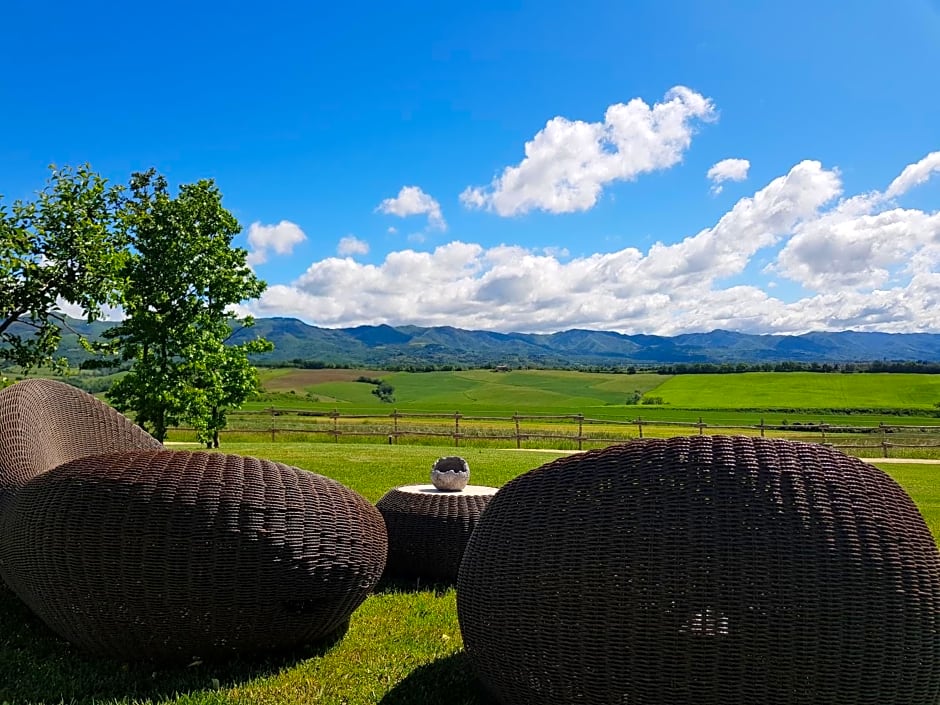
(385, 392)
(65, 246)
(181, 279)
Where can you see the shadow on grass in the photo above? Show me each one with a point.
(447, 681)
(37, 666)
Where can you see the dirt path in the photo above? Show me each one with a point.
(906, 461)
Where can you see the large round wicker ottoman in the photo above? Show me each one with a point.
(703, 570)
(168, 555)
(428, 528)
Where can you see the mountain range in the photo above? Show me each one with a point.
(390, 346)
(443, 345)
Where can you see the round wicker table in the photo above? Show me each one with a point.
(428, 528)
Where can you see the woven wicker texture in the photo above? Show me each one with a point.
(428, 532)
(171, 554)
(703, 570)
(44, 423)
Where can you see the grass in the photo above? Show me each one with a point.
(920, 482)
(403, 645)
(732, 399)
(476, 391)
(802, 390)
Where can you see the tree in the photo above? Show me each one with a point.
(385, 392)
(65, 246)
(222, 378)
(181, 279)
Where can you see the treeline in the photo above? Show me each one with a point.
(703, 368)
(681, 368)
(302, 364)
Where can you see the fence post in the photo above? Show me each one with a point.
(580, 430)
(273, 424)
(639, 426)
(884, 448)
(515, 417)
(456, 429)
(335, 415)
(822, 430)
(761, 426)
(700, 426)
(395, 424)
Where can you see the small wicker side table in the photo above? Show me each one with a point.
(428, 528)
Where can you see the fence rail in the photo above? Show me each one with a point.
(571, 429)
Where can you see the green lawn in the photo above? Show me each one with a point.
(402, 647)
(922, 483)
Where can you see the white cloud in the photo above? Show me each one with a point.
(352, 245)
(280, 238)
(752, 224)
(392, 230)
(914, 175)
(411, 200)
(107, 313)
(864, 243)
(727, 170)
(568, 162)
(863, 263)
(239, 310)
(557, 252)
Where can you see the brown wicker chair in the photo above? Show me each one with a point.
(703, 570)
(44, 423)
(159, 554)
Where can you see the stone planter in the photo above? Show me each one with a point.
(450, 474)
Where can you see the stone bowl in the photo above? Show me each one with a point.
(450, 473)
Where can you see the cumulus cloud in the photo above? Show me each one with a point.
(568, 162)
(352, 245)
(727, 170)
(863, 263)
(280, 238)
(865, 241)
(914, 175)
(411, 200)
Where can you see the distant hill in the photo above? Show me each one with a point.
(385, 345)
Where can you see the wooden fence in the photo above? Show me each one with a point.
(573, 430)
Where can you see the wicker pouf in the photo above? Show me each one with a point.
(703, 570)
(171, 554)
(428, 528)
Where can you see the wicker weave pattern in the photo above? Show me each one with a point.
(171, 554)
(427, 533)
(703, 570)
(44, 423)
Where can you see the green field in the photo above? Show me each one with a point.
(403, 646)
(480, 391)
(802, 390)
(746, 398)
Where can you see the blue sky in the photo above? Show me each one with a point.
(647, 167)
